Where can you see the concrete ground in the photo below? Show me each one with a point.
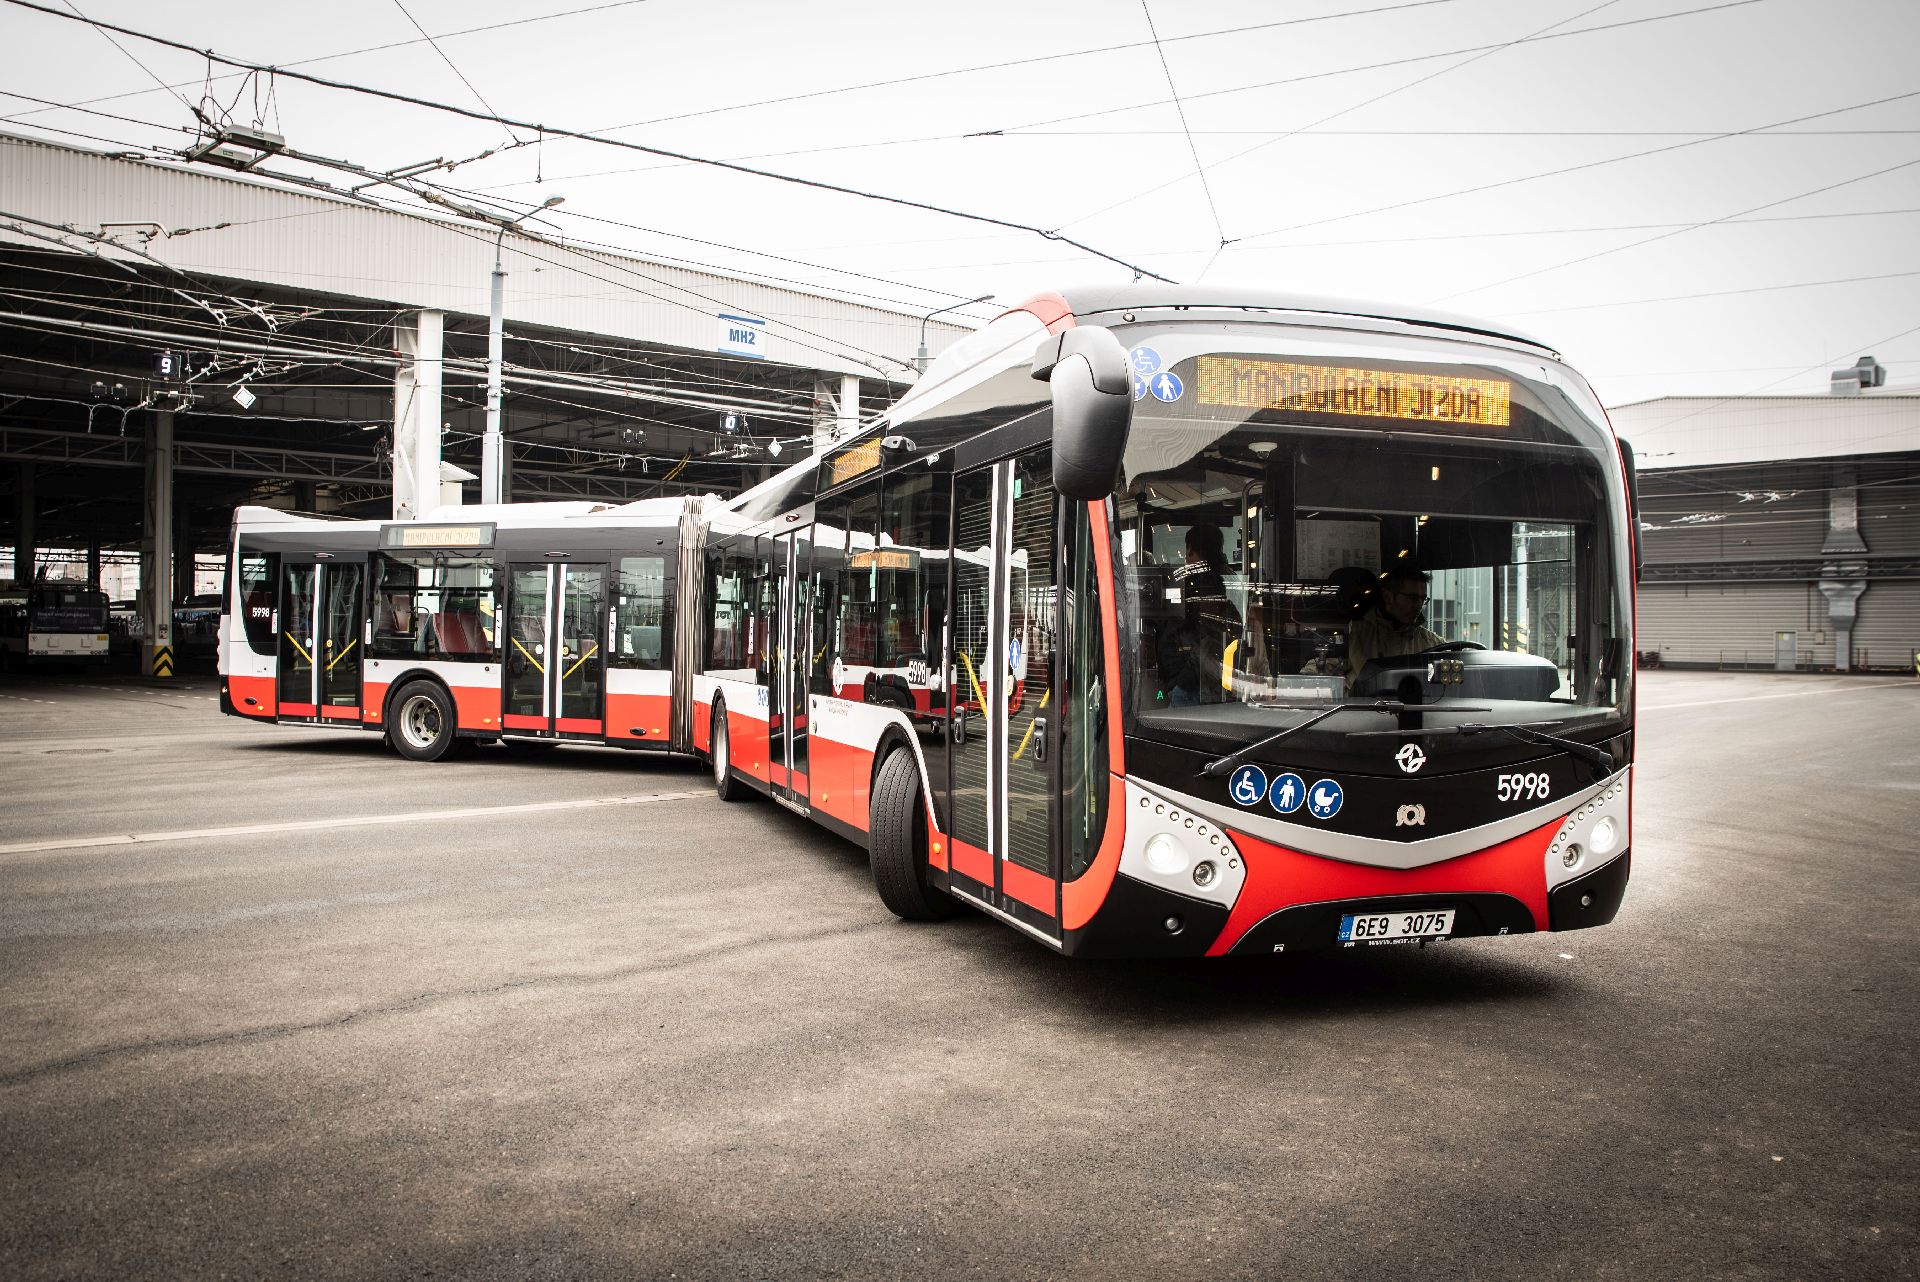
(659, 1036)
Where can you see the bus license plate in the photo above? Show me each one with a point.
(1357, 928)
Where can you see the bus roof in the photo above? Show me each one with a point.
(1087, 302)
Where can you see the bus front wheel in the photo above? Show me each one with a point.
(898, 828)
(423, 721)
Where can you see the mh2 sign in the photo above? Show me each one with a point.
(742, 336)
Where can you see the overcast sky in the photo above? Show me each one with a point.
(1684, 198)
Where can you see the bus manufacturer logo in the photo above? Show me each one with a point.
(1410, 817)
(1411, 758)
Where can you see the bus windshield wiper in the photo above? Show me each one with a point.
(1225, 765)
(1599, 758)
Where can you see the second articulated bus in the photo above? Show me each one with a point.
(1092, 631)
(528, 623)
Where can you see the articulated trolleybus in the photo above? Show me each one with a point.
(1162, 623)
(526, 623)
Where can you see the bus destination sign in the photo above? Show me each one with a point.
(437, 536)
(1361, 393)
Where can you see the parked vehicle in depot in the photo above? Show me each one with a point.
(47, 624)
(1165, 621)
(527, 623)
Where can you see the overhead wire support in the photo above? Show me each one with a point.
(586, 136)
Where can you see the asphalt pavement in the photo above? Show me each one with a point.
(276, 1003)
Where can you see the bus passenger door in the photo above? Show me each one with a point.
(296, 626)
(792, 639)
(555, 669)
(343, 617)
(1003, 726)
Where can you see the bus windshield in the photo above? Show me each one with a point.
(1303, 529)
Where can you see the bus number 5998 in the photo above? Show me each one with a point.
(1525, 787)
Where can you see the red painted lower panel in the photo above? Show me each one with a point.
(373, 697)
(1035, 890)
(1280, 878)
(340, 714)
(477, 707)
(840, 779)
(747, 745)
(579, 725)
(1081, 898)
(641, 716)
(973, 862)
(702, 726)
(936, 846)
(260, 689)
(514, 721)
(777, 775)
(299, 710)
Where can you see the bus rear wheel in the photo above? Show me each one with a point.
(898, 828)
(422, 725)
(725, 786)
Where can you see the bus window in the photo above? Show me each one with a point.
(255, 589)
(641, 635)
(727, 627)
(434, 608)
(1083, 765)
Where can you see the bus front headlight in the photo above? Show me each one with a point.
(1604, 839)
(1166, 855)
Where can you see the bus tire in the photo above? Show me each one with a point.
(423, 721)
(725, 785)
(898, 828)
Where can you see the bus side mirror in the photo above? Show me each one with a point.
(1092, 408)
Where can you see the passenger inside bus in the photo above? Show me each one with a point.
(1195, 646)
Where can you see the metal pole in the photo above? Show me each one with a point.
(493, 444)
(156, 596)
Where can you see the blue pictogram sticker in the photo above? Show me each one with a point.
(1144, 360)
(1166, 386)
(1013, 654)
(1139, 387)
(1248, 785)
(1324, 798)
(1288, 794)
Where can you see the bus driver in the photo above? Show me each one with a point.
(1394, 626)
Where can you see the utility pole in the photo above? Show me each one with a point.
(493, 445)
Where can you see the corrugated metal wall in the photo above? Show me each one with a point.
(1733, 623)
(1888, 629)
(1890, 519)
(313, 242)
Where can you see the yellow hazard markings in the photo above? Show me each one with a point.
(163, 661)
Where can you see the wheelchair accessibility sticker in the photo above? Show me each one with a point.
(1248, 785)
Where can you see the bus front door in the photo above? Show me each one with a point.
(793, 638)
(1002, 721)
(321, 619)
(555, 669)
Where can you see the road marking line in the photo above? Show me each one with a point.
(352, 821)
(1792, 694)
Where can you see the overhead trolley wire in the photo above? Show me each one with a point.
(379, 48)
(1679, 231)
(1347, 111)
(1193, 149)
(1008, 64)
(1569, 169)
(1347, 71)
(585, 136)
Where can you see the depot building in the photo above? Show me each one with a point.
(1781, 532)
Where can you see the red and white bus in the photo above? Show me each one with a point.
(523, 623)
(1112, 629)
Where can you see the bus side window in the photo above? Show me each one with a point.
(1084, 747)
(256, 575)
(641, 637)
